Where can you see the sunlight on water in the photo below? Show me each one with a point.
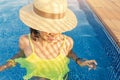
(89, 42)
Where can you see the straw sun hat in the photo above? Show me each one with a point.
(48, 15)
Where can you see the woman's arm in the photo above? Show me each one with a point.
(74, 57)
(81, 61)
(10, 63)
(19, 54)
(23, 43)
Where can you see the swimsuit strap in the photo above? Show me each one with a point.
(63, 44)
(31, 43)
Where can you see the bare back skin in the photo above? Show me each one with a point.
(46, 50)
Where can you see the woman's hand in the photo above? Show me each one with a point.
(3, 67)
(9, 64)
(90, 63)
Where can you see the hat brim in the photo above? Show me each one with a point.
(31, 19)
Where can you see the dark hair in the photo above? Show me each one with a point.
(35, 32)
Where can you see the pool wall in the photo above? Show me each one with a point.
(112, 53)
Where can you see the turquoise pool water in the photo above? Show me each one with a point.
(91, 41)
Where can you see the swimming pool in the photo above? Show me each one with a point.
(91, 41)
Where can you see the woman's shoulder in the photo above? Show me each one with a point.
(23, 38)
(69, 42)
(69, 39)
(23, 41)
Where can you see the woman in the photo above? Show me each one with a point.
(45, 52)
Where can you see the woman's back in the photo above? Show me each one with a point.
(54, 68)
(43, 50)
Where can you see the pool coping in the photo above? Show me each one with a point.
(107, 27)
